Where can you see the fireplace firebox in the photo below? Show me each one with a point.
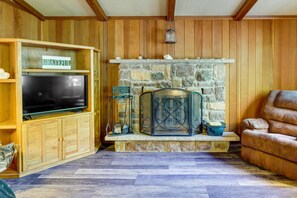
(171, 112)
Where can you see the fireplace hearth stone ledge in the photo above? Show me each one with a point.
(197, 143)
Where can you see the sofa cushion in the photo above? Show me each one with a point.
(283, 128)
(255, 123)
(286, 100)
(279, 145)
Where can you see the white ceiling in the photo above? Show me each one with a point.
(207, 7)
(62, 7)
(134, 7)
(274, 8)
(159, 7)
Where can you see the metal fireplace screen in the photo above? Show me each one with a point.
(171, 111)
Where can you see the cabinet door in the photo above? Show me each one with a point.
(70, 137)
(84, 143)
(42, 144)
(76, 135)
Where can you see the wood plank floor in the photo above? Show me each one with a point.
(111, 174)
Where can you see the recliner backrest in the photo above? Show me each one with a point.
(280, 110)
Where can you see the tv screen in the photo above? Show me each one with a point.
(44, 94)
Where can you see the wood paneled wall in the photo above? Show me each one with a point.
(265, 50)
(15, 23)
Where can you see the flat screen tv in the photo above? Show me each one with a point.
(53, 93)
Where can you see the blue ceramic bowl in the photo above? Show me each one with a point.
(215, 130)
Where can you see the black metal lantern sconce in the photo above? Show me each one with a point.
(170, 33)
(170, 36)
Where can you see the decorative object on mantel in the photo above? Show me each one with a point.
(118, 58)
(121, 111)
(3, 74)
(215, 128)
(168, 57)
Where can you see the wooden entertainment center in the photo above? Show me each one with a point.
(50, 139)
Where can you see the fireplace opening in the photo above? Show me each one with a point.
(170, 112)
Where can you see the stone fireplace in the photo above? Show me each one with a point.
(206, 76)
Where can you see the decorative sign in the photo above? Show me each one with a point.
(56, 62)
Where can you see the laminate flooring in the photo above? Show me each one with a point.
(111, 174)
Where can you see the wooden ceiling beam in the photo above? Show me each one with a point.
(30, 9)
(94, 4)
(244, 9)
(171, 10)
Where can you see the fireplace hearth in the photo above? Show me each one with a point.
(170, 111)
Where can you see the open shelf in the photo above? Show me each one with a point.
(7, 80)
(8, 124)
(55, 71)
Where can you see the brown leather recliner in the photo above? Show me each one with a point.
(270, 142)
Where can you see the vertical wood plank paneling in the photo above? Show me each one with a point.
(258, 67)
(119, 42)
(286, 56)
(233, 85)
(180, 39)
(189, 39)
(198, 38)
(226, 54)
(151, 39)
(267, 60)
(293, 51)
(126, 38)
(207, 39)
(67, 28)
(1, 19)
(17, 23)
(217, 39)
(251, 84)
(277, 48)
(162, 48)
(142, 38)
(81, 32)
(238, 72)
(244, 70)
(134, 39)
(8, 21)
(95, 34)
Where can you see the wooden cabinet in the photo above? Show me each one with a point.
(49, 141)
(41, 143)
(54, 138)
(76, 135)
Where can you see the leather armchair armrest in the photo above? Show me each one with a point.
(257, 124)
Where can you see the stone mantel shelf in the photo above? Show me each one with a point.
(165, 61)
